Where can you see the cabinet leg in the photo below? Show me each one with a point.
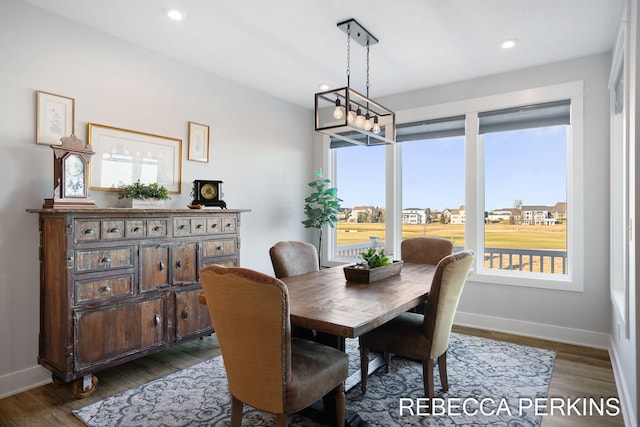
(85, 386)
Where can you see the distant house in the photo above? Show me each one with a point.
(414, 216)
(457, 216)
(366, 214)
(537, 215)
(559, 211)
(500, 215)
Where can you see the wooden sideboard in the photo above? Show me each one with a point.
(118, 284)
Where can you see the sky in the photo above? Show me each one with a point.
(529, 165)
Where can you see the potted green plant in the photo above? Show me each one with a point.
(322, 207)
(374, 265)
(139, 195)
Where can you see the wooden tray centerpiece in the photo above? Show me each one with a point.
(375, 266)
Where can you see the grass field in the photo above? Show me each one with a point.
(496, 236)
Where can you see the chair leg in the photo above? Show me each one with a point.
(387, 362)
(364, 368)
(281, 420)
(427, 378)
(340, 405)
(442, 368)
(236, 412)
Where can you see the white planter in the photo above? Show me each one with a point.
(142, 204)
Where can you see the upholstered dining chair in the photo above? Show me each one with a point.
(266, 368)
(423, 337)
(425, 250)
(293, 258)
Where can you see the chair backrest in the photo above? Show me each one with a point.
(250, 314)
(425, 250)
(293, 258)
(443, 299)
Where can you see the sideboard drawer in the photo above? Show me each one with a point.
(87, 231)
(219, 247)
(103, 259)
(229, 225)
(157, 228)
(134, 229)
(112, 230)
(103, 288)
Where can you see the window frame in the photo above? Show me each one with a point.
(474, 182)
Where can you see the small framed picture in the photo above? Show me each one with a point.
(198, 142)
(54, 118)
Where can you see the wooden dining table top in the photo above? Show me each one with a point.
(326, 302)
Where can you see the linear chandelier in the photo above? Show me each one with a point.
(348, 115)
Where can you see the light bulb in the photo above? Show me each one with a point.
(376, 126)
(351, 116)
(367, 123)
(338, 113)
(359, 118)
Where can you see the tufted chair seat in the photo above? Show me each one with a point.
(423, 337)
(266, 368)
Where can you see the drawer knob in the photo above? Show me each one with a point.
(220, 248)
(89, 231)
(161, 265)
(105, 259)
(157, 320)
(179, 264)
(137, 229)
(182, 227)
(229, 225)
(185, 314)
(113, 230)
(157, 228)
(199, 226)
(214, 225)
(104, 289)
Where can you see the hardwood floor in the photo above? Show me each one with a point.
(578, 372)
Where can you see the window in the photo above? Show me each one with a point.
(360, 179)
(525, 188)
(508, 164)
(433, 179)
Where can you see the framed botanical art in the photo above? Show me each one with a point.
(198, 142)
(54, 117)
(125, 156)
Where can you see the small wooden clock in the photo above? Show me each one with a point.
(208, 193)
(70, 175)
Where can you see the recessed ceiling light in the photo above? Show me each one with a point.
(174, 14)
(508, 44)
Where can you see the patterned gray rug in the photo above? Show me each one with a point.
(490, 383)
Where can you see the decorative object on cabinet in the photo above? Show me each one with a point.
(123, 155)
(54, 117)
(70, 175)
(198, 142)
(139, 195)
(128, 277)
(207, 193)
(347, 116)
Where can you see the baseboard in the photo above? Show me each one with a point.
(17, 382)
(534, 330)
(630, 419)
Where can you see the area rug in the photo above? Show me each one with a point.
(490, 383)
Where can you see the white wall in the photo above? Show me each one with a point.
(265, 162)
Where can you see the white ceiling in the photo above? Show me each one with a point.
(287, 48)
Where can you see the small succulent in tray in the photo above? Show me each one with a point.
(374, 257)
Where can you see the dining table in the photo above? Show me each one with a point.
(335, 309)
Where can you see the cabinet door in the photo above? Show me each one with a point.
(154, 267)
(109, 333)
(185, 267)
(191, 317)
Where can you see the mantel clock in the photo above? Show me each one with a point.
(70, 175)
(208, 193)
